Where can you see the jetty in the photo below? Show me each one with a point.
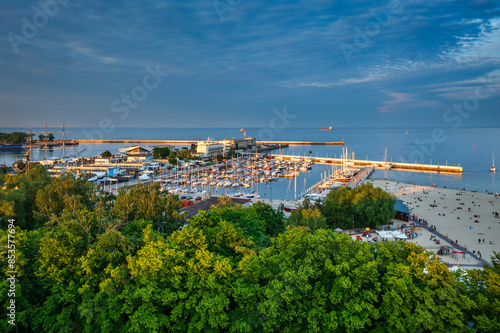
(412, 167)
(189, 142)
(303, 143)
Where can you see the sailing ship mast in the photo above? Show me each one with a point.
(493, 167)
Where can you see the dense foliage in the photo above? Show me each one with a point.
(161, 152)
(13, 138)
(91, 262)
(368, 206)
(106, 154)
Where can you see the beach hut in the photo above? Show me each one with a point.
(402, 211)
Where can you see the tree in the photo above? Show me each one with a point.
(106, 154)
(68, 193)
(13, 138)
(178, 285)
(338, 208)
(148, 202)
(322, 282)
(419, 294)
(18, 197)
(29, 292)
(51, 137)
(41, 137)
(308, 217)
(244, 219)
(59, 273)
(161, 152)
(371, 207)
(274, 219)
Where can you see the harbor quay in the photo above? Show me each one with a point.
(413, 167)
(189, 142)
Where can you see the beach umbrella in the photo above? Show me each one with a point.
(339, 230)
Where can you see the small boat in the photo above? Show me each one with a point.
(244, 129)
(493, 167)
(289, 209)
(72, 143)
(326, 128)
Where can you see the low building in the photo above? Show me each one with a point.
(136, 153)
(111, 160)
(402, 211)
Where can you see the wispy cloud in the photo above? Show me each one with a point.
(396, 100)
(266, 53)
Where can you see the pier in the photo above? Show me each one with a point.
(413, 167)
(189, 142)
(329, 181)
(303, 143)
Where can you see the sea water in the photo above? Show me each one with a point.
(470, 148)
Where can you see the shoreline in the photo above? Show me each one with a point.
(457, 215)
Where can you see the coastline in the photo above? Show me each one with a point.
(453, 212)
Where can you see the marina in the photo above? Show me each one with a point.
(473, 173)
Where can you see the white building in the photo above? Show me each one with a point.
(209, 148)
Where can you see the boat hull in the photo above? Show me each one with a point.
(11, 147)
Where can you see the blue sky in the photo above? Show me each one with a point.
(228, 63)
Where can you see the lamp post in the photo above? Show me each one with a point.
(353, 223)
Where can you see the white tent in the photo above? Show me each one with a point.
(399, 235)
(385, 234)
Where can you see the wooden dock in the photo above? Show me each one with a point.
(413, 167)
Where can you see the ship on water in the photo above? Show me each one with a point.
(326, 128)
(11, 147)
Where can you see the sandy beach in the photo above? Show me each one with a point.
(464, 216)
(453, 213)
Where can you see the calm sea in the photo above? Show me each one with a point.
(471, 148)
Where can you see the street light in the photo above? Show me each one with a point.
(353, 223)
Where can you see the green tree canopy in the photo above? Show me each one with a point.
(370, 206)
(161, 152)
(13, 138)
(106, 154)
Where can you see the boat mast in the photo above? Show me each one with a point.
(45, 138)
(64, 146)
(295, 191)
(31, 146)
